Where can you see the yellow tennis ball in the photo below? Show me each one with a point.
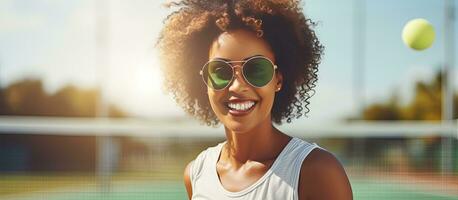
(418, 34)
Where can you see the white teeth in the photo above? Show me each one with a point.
(242, 106)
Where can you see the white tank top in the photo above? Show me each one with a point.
(279, 182)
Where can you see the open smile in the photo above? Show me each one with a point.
(240, 107)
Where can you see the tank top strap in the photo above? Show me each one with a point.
(203, 163)
(292, 162)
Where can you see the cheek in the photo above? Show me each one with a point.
(214, 98)
(271, 88)
(268, 95)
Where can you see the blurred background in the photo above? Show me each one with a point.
(83, 115)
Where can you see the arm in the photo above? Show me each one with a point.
(187, 179)
(323, 177)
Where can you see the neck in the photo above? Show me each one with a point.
(260, 144)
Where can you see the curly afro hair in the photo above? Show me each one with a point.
(189, 31)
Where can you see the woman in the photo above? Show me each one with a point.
(248, 64)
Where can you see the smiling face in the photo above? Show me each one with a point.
(240, 106)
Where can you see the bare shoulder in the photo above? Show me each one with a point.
(323, 177)
(187, 179)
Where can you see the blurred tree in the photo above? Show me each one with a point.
(384, 111)
(27, 97)
(425, 104)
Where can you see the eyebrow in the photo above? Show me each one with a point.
(228, 60)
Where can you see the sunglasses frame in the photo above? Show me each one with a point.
(233, 71)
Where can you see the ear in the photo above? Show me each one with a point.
(279, 79)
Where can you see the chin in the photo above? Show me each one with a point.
(238, 126)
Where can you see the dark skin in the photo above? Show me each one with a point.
(253, 143)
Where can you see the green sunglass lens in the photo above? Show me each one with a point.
(258, 71)
(218, 74)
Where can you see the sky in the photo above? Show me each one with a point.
(56, 41)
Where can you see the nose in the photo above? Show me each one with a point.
(238, 84)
